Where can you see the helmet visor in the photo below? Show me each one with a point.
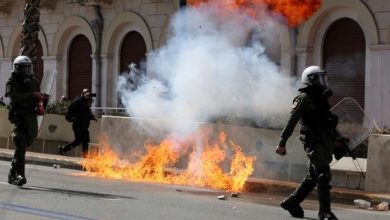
(323, 79)
(24, 69)
(319, 78)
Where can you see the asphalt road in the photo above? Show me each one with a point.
(68, 194)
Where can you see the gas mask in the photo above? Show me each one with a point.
(320, 80)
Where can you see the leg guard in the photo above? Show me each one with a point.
(18, 161)
(324, 192)
(12, 172)
(304, 189)
(13, 169)
(291, 204)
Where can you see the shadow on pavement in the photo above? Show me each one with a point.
(76, 192)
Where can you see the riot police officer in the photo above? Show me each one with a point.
(23, 90)
(311, 108)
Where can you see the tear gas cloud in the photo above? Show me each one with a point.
(212, 65)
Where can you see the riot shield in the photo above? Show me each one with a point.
(47, 81)
(353, 124)
(46, 86)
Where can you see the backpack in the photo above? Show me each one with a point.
(71, 112)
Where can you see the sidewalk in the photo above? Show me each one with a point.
(256, 185)
(44, 159)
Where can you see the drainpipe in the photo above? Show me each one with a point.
(97, 25)
(293, 49)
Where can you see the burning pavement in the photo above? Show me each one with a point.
(204, 157)
(213, 156)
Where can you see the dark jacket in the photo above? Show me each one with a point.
(312, 110)
(83, 114)
(20, 91)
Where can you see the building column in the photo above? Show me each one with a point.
(5, 71)
(108, 81)
(377, 94)
(304, 59)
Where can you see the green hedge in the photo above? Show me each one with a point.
(59, 107)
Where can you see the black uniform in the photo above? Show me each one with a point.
(81, 117)
(317, 133)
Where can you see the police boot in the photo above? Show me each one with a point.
(85, 154)
(327, 216)
(293, 207)
(291, 204)
(20, 180)
(12, 172)
(324, 200)
(61, 150)
(11, 178)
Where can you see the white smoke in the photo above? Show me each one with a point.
(212, 65)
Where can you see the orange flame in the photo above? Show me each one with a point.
(158, 163)
(295, 11)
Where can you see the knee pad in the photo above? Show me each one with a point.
(324, 180)
(309, 181)
(19, 140)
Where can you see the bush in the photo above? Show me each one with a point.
(59, 107)
(272, 122)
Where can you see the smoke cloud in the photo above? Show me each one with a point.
(212, 65)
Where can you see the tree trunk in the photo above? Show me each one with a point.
(30, 31)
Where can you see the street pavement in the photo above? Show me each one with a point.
(62, 193)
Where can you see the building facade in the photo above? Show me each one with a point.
(69, 39)
(349, 38)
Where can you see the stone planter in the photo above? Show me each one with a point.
(54, 131)
(378, 166)
(5, 129)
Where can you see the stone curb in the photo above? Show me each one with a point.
(339, 195)
(49, 160)
(253, 185)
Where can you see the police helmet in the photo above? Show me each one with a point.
(314, 75)
(22, 64)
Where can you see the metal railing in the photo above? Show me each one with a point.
(114, 111)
